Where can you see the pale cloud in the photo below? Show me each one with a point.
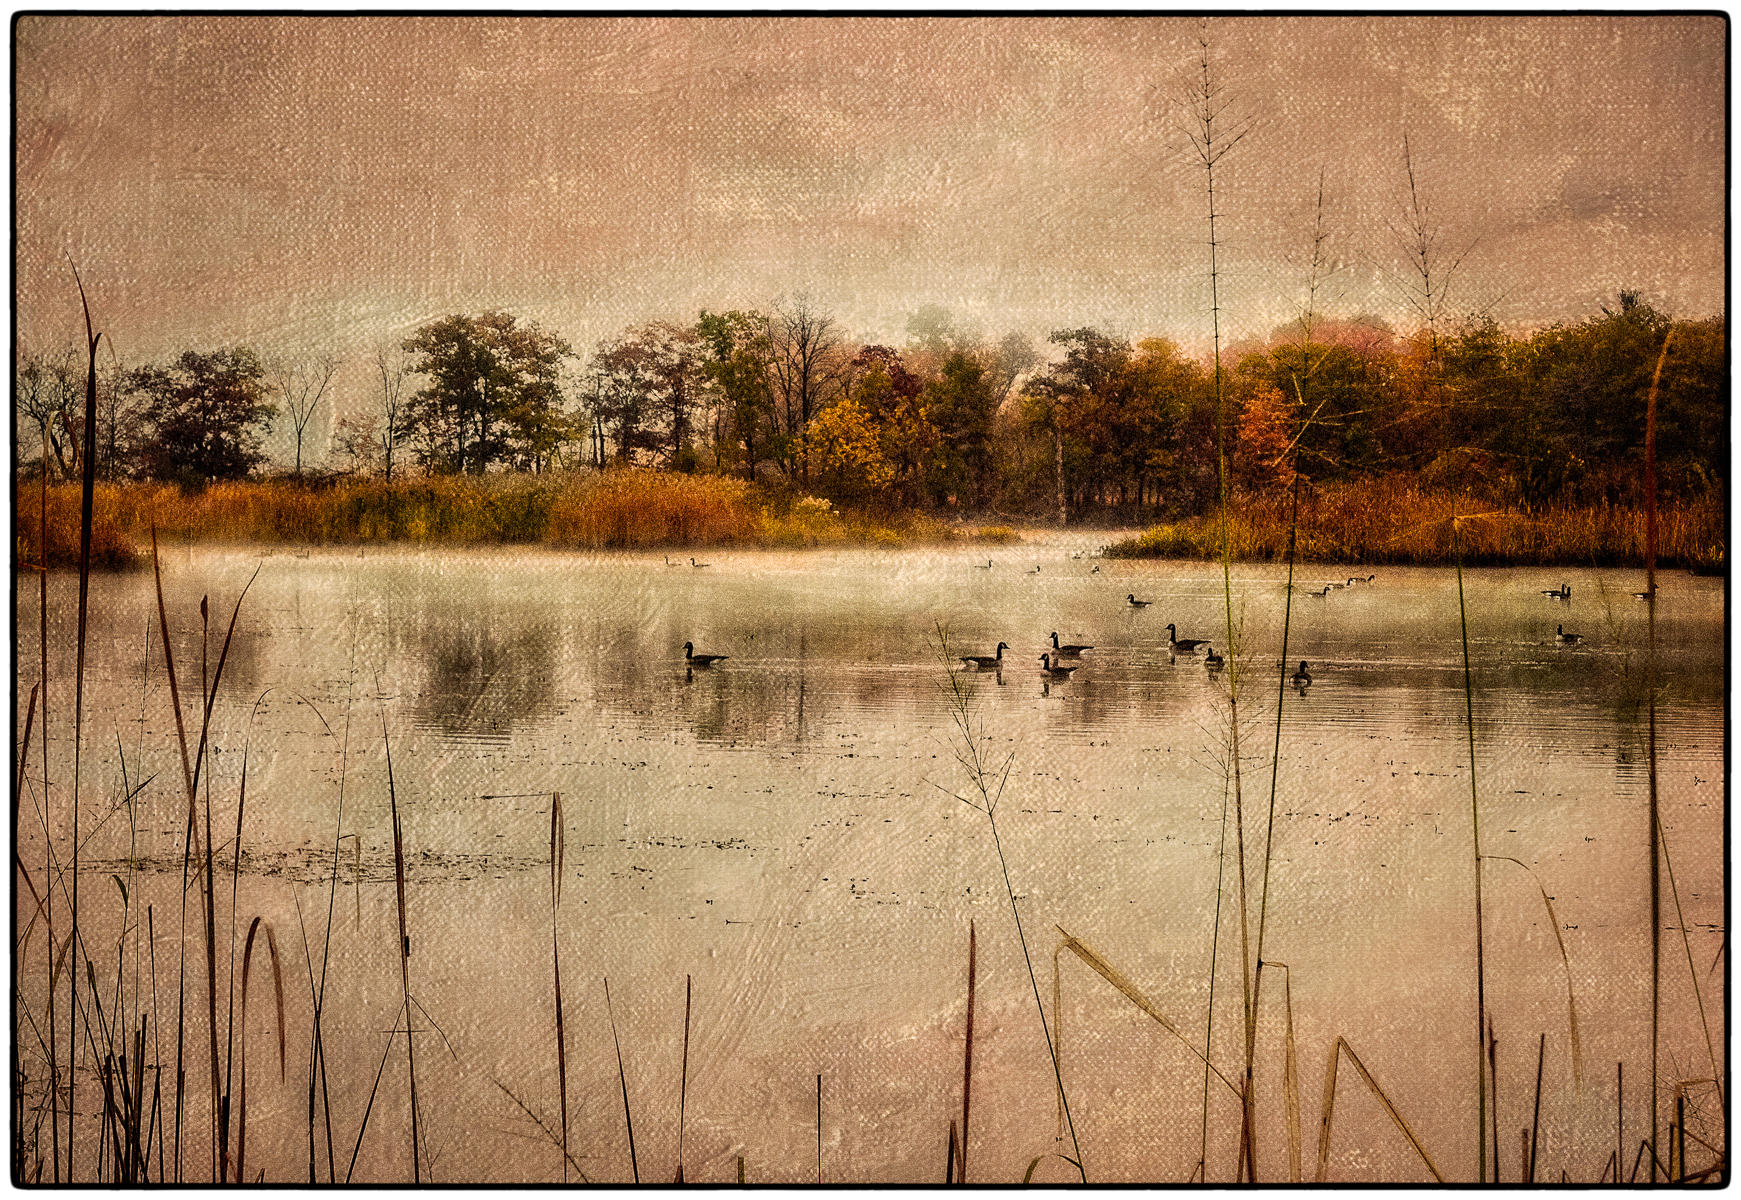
(301, 182)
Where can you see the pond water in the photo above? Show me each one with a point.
(785, 831)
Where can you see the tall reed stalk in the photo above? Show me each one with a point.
(404, 956)
(1213, 134)
(1299, 376)
(967, 1054)
(48, 844)
(556, 854)
(87, 493)
(1655, 815)
(1475, 862)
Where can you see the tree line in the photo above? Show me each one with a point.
(1089, 422)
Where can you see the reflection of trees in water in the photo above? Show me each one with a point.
(485, 676)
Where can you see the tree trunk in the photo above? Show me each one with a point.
(1058, 448)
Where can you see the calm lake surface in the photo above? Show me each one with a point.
(783, 829)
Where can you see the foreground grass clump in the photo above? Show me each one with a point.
(612, 510)
(1397, 521)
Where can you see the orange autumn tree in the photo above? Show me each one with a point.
(1267, 424)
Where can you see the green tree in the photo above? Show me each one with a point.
(960, 404)
(492, 393)
(203, 415)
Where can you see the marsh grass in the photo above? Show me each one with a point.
(610, 510)
(1398, 520)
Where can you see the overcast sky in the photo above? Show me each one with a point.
(321, 183)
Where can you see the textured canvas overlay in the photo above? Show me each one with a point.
(870, 600)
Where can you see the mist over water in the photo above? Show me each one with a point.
(783, 827)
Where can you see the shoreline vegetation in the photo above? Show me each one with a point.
(1394, 521)
(1382, 521)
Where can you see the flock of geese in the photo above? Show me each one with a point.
(1057, 663)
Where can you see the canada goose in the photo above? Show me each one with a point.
(1302, 677)
(986, 660)
(1563, 592)
(1036, 569)
(1564, 638)
(987, 566)
(701, 660)
(1320, 594)
(1096, 570)
(697, 565)
(669, 563)
(1181, 645)
(1135, 603)
(1213, 660)
(1067, 651)
(1370, 578)
(1350, 581)
(1056, 672)
(1641, 595)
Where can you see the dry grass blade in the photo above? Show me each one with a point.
(24, 753)
(254, 928)
(169, 667)
(556, 837)
(1687, 945)
(363, 1125)
(1342, 1047)
(1130, 992)
(1290, 1077)
(1028, 1175)
(1565, 961)
(683, 1078)
(967, 1064)
(623, 1079)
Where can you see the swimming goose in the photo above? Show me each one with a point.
(1067, 651)
(987, 566)
(1349, 582)
(697, 565)
(1135, 603)
(1213, 660)
(1563, 592)
(1641, 595)
(986, 660)
(1096, 570)
(1056, 672)
(1302, 677)
(701, 660)
(1181, 645)
(1036, 569)
(1564, 638)
(669, 563)
(1321, 594)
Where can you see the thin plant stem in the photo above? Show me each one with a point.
(1475, 836)
(1655, 817)
(1214, 960)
